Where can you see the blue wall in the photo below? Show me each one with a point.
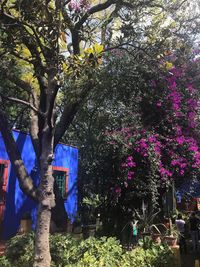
(17, 204)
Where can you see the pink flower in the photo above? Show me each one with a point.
(130, 175)
(180, 140)
(178, 130)
(190, 88)
(126, 184)
(192, 103)
(130, 158)
(176, 72)
(174, 162)
(158, 104)
(164, 172)
(152, 138)
(124, 165)
(118, 190)
(131, 164)
(191, 115)
(77, 5)
(193, 148)
(172, 85)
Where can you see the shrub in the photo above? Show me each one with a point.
(63, 249)
(99, 252)
(19, 250)
(4, 262)
(92, 252)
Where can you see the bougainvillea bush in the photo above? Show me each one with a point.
(166, 147)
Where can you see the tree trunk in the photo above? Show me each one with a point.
(42, 257)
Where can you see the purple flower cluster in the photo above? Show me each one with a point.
(173, 150)
(181, 163)
(142, 147)
(129, 165)
(165, 174)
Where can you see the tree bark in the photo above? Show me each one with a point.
(42, 257)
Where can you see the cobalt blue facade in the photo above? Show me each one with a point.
(17, 203)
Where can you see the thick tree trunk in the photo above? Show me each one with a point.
(42, 257)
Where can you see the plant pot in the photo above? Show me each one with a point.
(146, 234)
(171, 240)
(156, 238)
(25, 226)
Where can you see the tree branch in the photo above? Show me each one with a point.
(92, 10)
(17, 81)
(20, 101)
(25, 181)
(34, 129)
(69, 113)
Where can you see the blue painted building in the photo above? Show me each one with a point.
(14, 203)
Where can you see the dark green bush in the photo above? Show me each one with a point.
(19, 250)
(4, 262)
(92, 252)
(63, 249)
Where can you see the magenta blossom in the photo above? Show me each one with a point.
(130, 175)
(180, 140)
(118, 190)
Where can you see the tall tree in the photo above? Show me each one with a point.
(46, 41)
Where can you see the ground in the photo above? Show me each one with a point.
(188, 260)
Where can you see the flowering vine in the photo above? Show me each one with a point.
(170, 149)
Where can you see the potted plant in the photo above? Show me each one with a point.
(145, 221)
(157, 231)
(25, 223)
(171, 236)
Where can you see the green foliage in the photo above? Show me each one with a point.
(146, 219)
(156, 256)
(92, 252)
(93, 201)
(19, 250)
(99, 252)
(152, 254)
(63, 249)
(4, 262)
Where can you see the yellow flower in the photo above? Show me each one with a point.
(168, 65)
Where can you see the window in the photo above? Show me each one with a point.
(61, 179)
(3, 183)
(2, 168)
(3, 178)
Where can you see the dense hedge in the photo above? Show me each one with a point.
(92, 252)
